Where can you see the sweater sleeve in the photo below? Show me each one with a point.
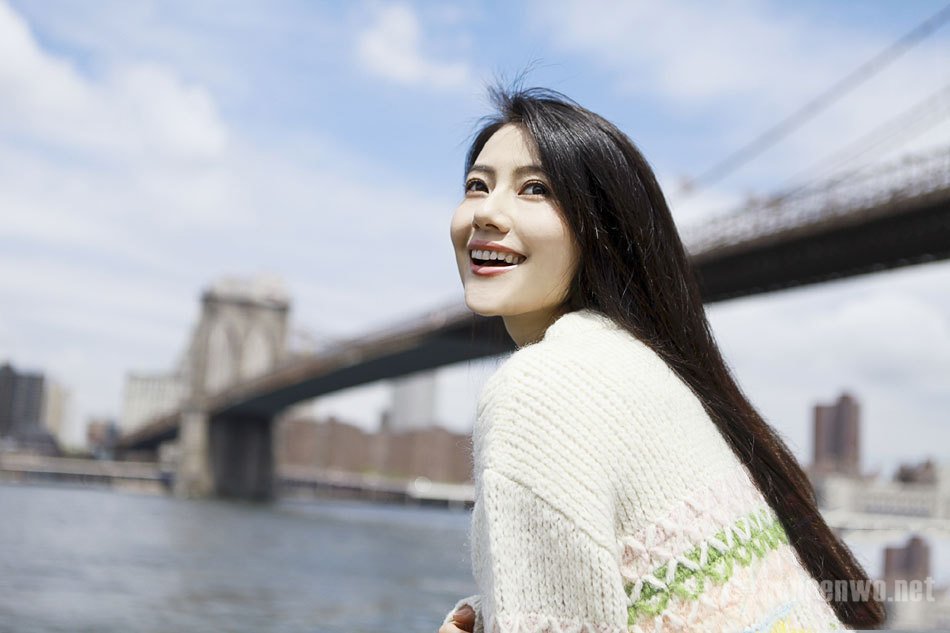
(543, 543)
(472, 601)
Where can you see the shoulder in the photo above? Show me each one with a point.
(585, 364)
(556, 408)
(594, 402)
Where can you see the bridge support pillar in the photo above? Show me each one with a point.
(193, 478)
(242, 456)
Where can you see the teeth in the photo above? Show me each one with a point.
(511, 258)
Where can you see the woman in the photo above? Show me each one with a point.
(623, 481)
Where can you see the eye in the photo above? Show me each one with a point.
(472, 184)
(536, 188)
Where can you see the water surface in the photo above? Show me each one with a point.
(80, 559)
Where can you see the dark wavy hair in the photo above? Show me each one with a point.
(634, 268)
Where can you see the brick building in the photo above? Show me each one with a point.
(432, 452)
(837, 434)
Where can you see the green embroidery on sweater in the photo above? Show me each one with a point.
(766, 535)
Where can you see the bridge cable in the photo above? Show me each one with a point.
(843, 86)
(905, 127)
(924, 115)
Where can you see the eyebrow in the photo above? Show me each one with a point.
(518, 171)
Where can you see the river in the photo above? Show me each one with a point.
(96, 560)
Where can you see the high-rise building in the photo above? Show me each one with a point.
(413, 403)
(908, 562)
(7, 382)
(837, 437)
(149, 395)
(55, 405)
(21, 402)
(904, 567)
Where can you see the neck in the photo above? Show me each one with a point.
(530, 327)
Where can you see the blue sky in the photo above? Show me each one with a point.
(147, 148)
(153, 146)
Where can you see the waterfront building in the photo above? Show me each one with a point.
(837, 434)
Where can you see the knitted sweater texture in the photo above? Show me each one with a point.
(607, 501)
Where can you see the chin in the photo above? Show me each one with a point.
(482, 309)
(485, 306)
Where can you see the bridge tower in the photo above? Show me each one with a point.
(242, 332)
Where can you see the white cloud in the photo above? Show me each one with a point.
(122, 194)
(743, 66)
(885, 338)
(687, 51)
(392, 47)
(895, 338)
(157, 194)
(93, 161)
(140, 111)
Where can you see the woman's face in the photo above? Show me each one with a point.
(508, 203)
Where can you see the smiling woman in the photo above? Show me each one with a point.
(623, 482)
(515, 252)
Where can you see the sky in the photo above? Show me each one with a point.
(150, 148)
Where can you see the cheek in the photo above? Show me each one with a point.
(459, 227)
(560, 254)
(553, 239)
(566, 262)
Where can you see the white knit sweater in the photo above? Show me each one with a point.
(606, 500)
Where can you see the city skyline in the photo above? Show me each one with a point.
(146, 153)
(365, 406)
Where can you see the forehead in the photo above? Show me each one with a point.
(510, 145)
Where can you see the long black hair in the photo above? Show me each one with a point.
(633, 268)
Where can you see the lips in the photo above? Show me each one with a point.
(484, 270)
(484, 267)
(482, 245)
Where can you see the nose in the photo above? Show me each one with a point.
(490, 214)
